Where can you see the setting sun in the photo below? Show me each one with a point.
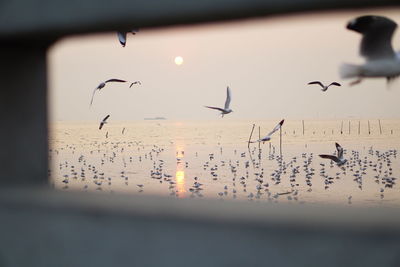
(179, 60)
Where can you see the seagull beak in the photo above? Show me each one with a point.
(351, 24)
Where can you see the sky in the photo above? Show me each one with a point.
(266, 62)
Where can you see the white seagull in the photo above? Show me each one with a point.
(268, 136)
(226, 109)
(122, 36)
(376, 48)
(103, 84)
(325, 87)
(339, 158)
(104, 121)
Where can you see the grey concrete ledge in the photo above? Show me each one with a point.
(42, 227)
(261, 214)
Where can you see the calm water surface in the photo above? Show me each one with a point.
(211, 159)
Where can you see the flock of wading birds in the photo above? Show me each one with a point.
(381, 61)
(243, 175)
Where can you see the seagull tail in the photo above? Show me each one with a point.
(347, 71)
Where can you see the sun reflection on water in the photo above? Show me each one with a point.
(180, 172)
(180, 182)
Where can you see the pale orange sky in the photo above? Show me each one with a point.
(266, 62)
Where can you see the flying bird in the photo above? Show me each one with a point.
(376, 48)
(103, 84)
(122, 36)
(324, 87)
(339, 158)
(268, 136)
(104, 121)
(135, 82)
(226, 109)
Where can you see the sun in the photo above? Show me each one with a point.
(178, 60)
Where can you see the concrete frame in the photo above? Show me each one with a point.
(43, 227)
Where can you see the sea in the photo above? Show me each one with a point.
(214, 159)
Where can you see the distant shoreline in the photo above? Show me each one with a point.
(155, 119)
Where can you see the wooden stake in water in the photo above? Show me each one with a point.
(341, 128)
(248, 143)
(359, 127)
(380, 127)
(303, 126)
(369, 128)
(259, 137)
(280, 141)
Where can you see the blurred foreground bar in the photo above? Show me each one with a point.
(48, 228)
(41, 19)
(23, 105)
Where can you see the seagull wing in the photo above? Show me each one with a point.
(220, 109)
(115, 80)
(277, 127)
(91, 101)
(339, 150)
(228, 98)
(331, 157)
(122, 38)
(317, 82)
(104, 120)
(335, 83)
(377, 34)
